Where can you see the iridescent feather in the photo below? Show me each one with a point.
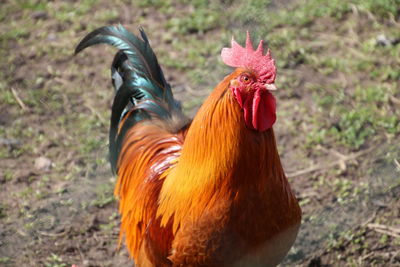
(139, 82)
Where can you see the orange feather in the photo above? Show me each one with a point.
(205, 196)
(146, 156)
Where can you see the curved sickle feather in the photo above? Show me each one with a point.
(138, 80)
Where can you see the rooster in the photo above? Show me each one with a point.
(204, 192)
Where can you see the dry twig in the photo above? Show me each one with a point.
(395, 100)
(18, 99)
(341, 162)
(80, 252)
(354, 9)
(384, 229)
(363, 258)
(397, 164)
(52, 234)
(370, 219)
(392, 19)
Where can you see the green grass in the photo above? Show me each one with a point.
(198, 21)
(360, 115)
(104, 195)
(13, 34)
(64, 11)
(358, 109)
(5, 260)
(36, 5)
(55, 261)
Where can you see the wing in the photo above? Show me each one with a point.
(148, 153)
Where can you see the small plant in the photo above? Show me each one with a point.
(54, 261)
(104, 195)
(355, 127)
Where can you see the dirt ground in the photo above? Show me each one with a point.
(56, 187)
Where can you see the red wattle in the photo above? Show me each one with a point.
(264, 107)
(259, 109)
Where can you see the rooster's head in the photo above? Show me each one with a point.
(251, 87)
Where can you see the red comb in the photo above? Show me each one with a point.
(247, 57)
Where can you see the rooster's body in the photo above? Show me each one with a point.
(210, 192)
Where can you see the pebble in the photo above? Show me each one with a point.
(43, 164)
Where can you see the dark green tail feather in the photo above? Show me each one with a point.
(142, 88)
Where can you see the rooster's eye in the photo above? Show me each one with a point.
(245, 78)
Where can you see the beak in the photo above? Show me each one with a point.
(271, 87)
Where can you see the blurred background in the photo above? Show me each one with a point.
(338, 127)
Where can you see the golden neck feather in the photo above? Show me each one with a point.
(217, 152)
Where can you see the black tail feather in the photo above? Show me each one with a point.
(139, 82)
